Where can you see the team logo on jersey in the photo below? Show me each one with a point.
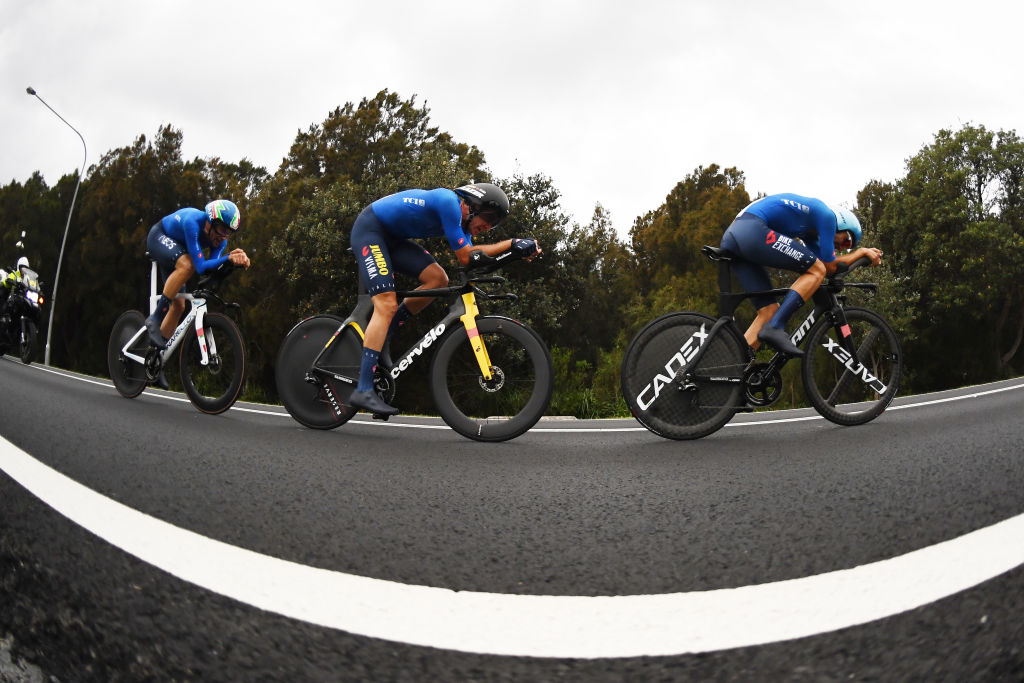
(771, 237)
(374, 261)
(462, 241)
(803, 208)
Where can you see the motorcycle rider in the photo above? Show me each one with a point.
(10, 279)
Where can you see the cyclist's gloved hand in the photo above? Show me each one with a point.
(524, 247)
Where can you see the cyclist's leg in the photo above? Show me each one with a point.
(757, 243)
(175, 273)
(409, 258)
(412, 259)
(373, 263)
(799, 292)
(175, 283)
(752, 277)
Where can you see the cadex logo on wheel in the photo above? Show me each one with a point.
(676, 364)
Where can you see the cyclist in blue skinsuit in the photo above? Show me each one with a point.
(765, 233)
(382, 242)
(176, 243)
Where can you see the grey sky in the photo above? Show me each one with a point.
(615, 101)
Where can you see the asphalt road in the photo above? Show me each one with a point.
(572, 508)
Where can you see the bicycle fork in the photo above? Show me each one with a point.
(475, 340)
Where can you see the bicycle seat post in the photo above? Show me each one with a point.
(154, 296)
(726, 300)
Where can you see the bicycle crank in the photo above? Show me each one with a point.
(763, 385)
(153, 364)
(384, 385)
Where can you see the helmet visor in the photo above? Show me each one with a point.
(221, 228)
(491, 216)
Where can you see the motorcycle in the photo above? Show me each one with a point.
(19, 317)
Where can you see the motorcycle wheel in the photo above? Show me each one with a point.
(27, 345)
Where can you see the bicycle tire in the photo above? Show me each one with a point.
(844, 390)
(128, 376)
(27, 346)
(513, 401)
(654, 396)
(213, 388)
(307, 403)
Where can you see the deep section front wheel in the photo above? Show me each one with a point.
(214, 387)
(672, 399)
(322, 403)
(128, 376)
(512, 400)
(852, 388)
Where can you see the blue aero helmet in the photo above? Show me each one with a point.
(846, 220)
(224, 211)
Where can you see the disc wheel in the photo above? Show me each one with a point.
(695, 404)
(322, 404)
(128, 376)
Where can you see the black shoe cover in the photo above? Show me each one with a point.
(371, 402)
(779, 339)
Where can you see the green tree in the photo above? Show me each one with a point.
(953, 241)
(671, 273)
(40, 212)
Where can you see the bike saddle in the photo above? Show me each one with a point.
(717, 253)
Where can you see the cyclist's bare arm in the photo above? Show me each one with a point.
(875, 255)
(489, 250)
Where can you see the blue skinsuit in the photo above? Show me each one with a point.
(382, 234)
(185, 226)
(423, 213)
(763, 235)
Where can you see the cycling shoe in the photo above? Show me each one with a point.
(156, 338)
(779, 339)
(161, 381)
(371, 402)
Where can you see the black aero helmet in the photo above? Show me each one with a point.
(486, 200)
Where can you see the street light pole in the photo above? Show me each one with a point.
(60, 257)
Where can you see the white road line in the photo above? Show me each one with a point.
(535, 625)
(570, 430)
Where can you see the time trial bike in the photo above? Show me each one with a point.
(686, 374)
(212, 359)
(491, 377)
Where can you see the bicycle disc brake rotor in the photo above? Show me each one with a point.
(763, 386)
(496, 382)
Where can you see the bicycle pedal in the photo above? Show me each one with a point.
(382, 418)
